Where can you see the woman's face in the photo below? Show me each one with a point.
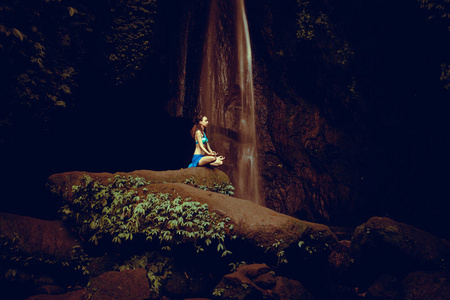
(204, 122)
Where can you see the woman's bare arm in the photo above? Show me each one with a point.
(209, 148)
(198, 138)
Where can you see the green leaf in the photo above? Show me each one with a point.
(60, 103)
(72, 11)
(18, 34)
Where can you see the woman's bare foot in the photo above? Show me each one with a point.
(218, 161)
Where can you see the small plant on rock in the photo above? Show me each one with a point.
(158, 268)
(222, 188)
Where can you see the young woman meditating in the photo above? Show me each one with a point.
(203, 155)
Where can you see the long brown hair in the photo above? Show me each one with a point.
(197, 126)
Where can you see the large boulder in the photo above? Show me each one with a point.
(36, 255)
(384, 244)
(261, 227)
(387, 287)
(61, 184)
(73, 295)
(421, 285)
(129, 284)
(252, 222)
(289, 289)
(257, 282)
(340, 259)
(37, 237)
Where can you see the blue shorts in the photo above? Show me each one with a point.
(195, 160)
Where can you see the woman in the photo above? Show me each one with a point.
(203, 155)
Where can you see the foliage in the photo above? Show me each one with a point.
(158, 268)
(314, 244)
(42, 44)
(218, 292)
(45, 46)
(236, 265)
(278, 247)
(313, 24)
(130, 37)
(12, 255)
(124, 209)
(308, 24)
(436, 8)
(330, 79)
(222, 188)
(439, 10)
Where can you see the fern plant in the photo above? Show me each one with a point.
(124, 209)
(223, 188)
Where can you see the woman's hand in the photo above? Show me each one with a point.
(214, 153)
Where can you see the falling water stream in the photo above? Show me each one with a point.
(227, 96)
(248, 178)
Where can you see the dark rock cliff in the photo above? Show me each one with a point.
(309, 135)
(312, 137)
(342, 133)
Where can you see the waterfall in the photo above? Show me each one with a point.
(248, 179)
(226, 95)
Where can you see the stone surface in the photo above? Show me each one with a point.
(382, 243)
(386, 287)
(255, 282)
(73, 295)
(35, 236)
(420, 285)
(239, 284)
(187, 284)
(341, 260)
(288, 289)
(50, 290)
(61, 184)
(265, 281)
(254, 270)
(126, 285)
